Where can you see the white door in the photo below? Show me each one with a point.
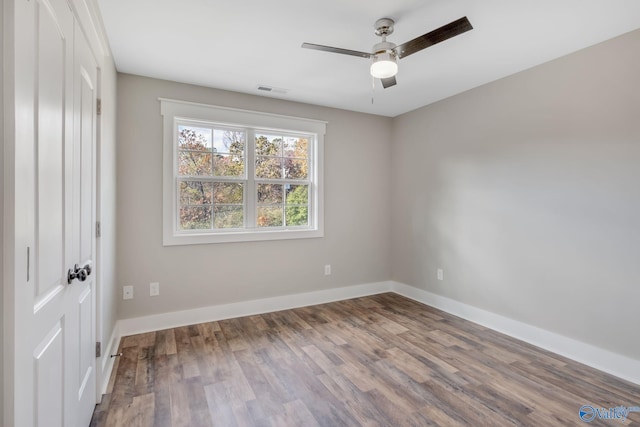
(55, 165)
(81, 293)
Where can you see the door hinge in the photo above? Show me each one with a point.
(98, 349)
(98, 231)
(98, 106)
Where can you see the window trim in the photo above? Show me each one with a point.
(174, 111)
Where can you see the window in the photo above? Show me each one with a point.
(234, 175)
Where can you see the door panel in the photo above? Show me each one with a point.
(49, 148)
(87, 98)
(85, 335)
(49, 361)
(51, 104)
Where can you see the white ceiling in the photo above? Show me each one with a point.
(240, 44)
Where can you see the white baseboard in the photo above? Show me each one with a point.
(604, 360)
(615, 364)
(106, 361)
(174, 319)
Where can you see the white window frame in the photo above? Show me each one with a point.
(174, 111)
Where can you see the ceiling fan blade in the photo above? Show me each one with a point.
(438, 35)
(336, 50)
(388, 82)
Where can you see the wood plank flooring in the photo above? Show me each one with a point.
(382, 360)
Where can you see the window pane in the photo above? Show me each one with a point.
(270, 216)
(296, 147)
(297, 215)
(268, 145)
(269, 168)
(228, 141)
(228, 165)
(228, 193)
(297, 194)
(195, 217)
(195, 193)
(295, 168)
(229, 217)
(297, 209)
(192, 163)
(194, 138)
(270, 194)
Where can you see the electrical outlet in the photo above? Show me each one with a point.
(327, 270)
(127, 292)
(154, 289)
(440, 274)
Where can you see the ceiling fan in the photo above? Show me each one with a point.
(385, 55)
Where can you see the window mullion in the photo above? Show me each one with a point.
(250, 195)
(284, 196)
(312, 177)
(212, 226)
(211, 179)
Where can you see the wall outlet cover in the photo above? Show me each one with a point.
(154, 289)
(127, 292)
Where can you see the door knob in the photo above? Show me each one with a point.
(74, 273)
(80, 273)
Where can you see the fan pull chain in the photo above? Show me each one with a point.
(373, 89)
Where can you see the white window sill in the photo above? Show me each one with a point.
(238, 236)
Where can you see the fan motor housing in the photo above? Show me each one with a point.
(384, 46)
(384, 26)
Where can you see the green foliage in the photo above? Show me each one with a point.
(297, 209)
(227, 193)
(228, 217)
(228, 200)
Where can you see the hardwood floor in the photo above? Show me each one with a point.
(382, 360)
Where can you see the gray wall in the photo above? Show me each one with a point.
(526, 191)
(357, 212)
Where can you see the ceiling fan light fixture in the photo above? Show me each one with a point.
(384, 65)
(384, 55)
